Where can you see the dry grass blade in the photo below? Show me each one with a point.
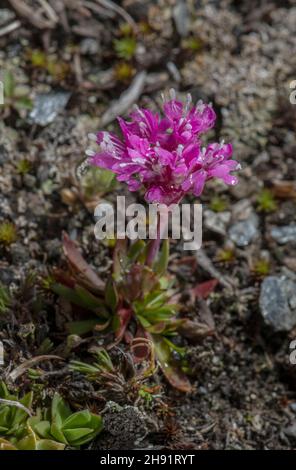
(126, 100)
(36, 18)
(120, 11)
(204, 261)
(16, 404)
(20, 370)
(49, 10)
(99, 10)
(10, 27)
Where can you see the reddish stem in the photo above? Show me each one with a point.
(154, 245)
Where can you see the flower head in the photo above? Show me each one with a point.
(165, 155)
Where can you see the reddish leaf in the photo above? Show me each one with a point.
(119, 258)
(128, 337)
(124, 315)
(171, 371)
(187, 261)
(194, 331)
(204, 289)
(140, 348)
(63, 278)
(284, 189)
(102, 326)
(80, 266)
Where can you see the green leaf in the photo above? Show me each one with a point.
(91, 302)
(161, 265)
(28, 442)
(77, 420)
(9, 84)
(96, 422)
(21, 415)
(69, 294)
(144, 322)
(171, 371)
(81, 297)
(42, 428)
(136, 250)
(6, 445)
(23, 103)
(59, 410)
(155, 299)
(56, 432)
(157, 328)
(3, 391)
(111, 295)
(95, 426)
(159, 314)
(81, 327)
(84, 368)
(48, 444)
(74, 436)
(173, 347)
(3, 429)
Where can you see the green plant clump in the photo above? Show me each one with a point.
(7, 233)
(125, 48)
(15, 96)
(49, 429)
(266, 201)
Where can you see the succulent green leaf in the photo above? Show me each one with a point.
(42, 428)
(48, 444)
(77, 420)
(59, 410)
(56, 432)
(74, 436)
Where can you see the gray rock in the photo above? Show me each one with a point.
(290, 431)
(47, 106)
(284, 234)
(217, 222)
(278, 302)
(4, 155)
(89, 46)
(181, 18)
(293, 407)
(124, 427)
(19, 253)
(244, 231)
(5, 207)
(53, 248)
(7, 276)
(30, 180)
(6, 15)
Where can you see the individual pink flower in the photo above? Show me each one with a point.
(165, 155)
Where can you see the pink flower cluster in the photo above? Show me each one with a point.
(165, 155)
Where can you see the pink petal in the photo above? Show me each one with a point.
(199, 181)
(103, 160)
(173, 109)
